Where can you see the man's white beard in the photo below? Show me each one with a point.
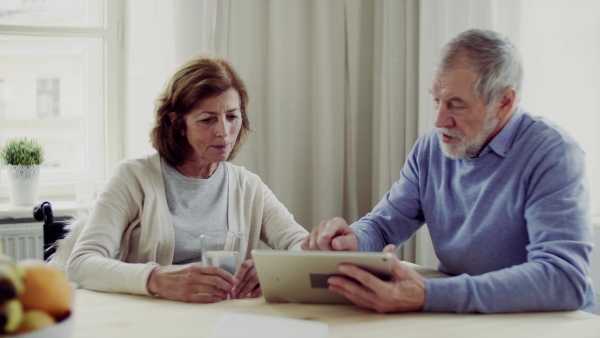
(466, 149)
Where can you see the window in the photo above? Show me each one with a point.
(48, 97)
(61, 62)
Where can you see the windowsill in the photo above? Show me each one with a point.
(10, 212)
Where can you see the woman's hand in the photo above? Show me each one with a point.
(193, 282)
(248, 285)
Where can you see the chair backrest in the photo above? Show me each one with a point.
(53, 230)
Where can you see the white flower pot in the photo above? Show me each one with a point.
(23, 183)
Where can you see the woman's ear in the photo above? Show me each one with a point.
(172, 116)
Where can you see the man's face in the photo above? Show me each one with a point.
(464, 123)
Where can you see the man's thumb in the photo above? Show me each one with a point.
(390, 248)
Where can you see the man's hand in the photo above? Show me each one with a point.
(194, 282)
(249, 285)
(405, 291)
(332, 235)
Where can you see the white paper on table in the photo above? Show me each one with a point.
(243, 325)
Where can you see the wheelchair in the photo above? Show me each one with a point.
(53, 230)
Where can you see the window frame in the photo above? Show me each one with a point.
(113, 66)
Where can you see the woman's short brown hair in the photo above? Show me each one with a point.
(201, 77)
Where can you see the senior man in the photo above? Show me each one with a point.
(502, 192)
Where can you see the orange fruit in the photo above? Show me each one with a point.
(46, 288)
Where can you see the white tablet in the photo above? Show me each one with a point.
(301, 276)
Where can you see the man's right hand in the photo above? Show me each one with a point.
(193, 282)
(332, 235)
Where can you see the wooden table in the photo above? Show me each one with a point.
(98, 314)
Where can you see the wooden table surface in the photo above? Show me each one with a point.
(98, 314)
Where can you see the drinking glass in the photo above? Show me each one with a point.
(222, 249)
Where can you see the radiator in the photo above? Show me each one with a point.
(22, 240)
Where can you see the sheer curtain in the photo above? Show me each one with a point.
(158, 35)
(396, 87)
(333, 87)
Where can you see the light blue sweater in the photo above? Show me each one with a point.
(512, 226)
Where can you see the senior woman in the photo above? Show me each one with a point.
(142, 235)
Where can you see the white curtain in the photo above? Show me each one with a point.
(395, 92)
(333, 87)
(158, 35)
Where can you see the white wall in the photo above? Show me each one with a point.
(596, 264)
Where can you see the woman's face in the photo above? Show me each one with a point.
(213, 126)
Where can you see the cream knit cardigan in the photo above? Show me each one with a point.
(130, 232)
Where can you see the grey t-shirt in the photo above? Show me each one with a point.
(197, 206)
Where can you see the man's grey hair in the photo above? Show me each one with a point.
(491, 56)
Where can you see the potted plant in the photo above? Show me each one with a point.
(22, 157)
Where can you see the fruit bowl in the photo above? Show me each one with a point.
(61, 329)
(35, 299)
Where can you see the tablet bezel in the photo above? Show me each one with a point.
(289, 276)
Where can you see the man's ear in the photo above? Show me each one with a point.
(507, 102)
(172, 116)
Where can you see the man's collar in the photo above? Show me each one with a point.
(500, 144)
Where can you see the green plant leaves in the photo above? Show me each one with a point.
(22, 151)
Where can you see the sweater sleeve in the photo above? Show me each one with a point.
(93, 263)
(397, 216)
(555, 275)
(255, 207)
(280, 230)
